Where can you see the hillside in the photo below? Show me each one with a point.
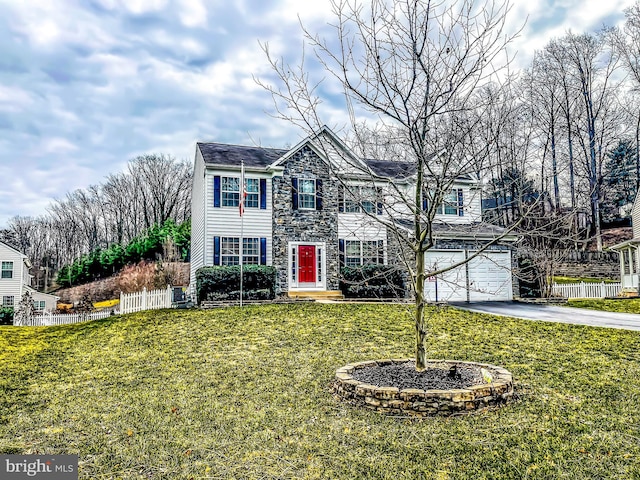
(234, 393)
(126, 281)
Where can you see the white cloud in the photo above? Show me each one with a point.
(193, 13)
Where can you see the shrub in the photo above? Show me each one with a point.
(222, 283)
(372, 281)
(6, 316)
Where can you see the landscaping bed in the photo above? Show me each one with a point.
(445, 387)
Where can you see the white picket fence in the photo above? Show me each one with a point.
(46, 319)
(586, 290)
(145, 300)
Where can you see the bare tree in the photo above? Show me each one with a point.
(413, 69)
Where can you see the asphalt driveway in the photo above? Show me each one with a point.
(551, 313)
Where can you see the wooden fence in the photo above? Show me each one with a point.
(586, 290)
(46, 319)
(129, 303)
(146, 300)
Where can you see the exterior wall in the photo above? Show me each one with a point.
(12, 286)
(472, 204)
(635, 217)
(226, 221)
(305, 225)
(208, 221)
(50, 300)
(197, 219)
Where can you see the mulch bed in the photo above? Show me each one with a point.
(435, 377)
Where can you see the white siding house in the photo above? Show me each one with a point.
(15, 280)
(314, 208)
(629, 253)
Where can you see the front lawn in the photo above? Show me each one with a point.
(236, 393)
(623, 305)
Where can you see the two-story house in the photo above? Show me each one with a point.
(15, 280)
(311, 209)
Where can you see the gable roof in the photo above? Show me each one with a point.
(233, 155)
(261, 157)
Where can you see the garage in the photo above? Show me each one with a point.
(485, 277)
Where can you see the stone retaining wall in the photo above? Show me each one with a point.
(409, 401)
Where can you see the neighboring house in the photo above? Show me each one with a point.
(302, 217)
(628, 251)
(15, 280)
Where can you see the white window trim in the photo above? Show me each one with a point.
(2, 270)
(384, 251)
(302, 194)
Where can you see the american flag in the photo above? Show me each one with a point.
(243, 190)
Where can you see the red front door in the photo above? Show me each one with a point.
(307, 262)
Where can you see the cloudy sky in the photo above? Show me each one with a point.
(87, 85)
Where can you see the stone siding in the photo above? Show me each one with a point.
(305, 225)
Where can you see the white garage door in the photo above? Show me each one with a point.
(449, 286)
(489, 277)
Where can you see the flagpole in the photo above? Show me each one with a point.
(242, 192)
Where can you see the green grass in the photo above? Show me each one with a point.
(229, 394)
(623, 305)
(565, 280)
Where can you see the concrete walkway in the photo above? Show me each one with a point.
(552, 313)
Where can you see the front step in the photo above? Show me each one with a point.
(317, 295)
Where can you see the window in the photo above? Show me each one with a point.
(372, 253)
(452, 203)
(7, 300)
(360, 199)
(230, 192)
(230, 251)
(253, 192)
(353, 253)
(227, 191)
(307, 194)
(251, 251)
(7, 270)
(39, 305)
(357, 253)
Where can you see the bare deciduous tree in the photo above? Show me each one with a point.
(410, 72)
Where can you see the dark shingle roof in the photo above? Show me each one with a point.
(233, 155)
(451, 230)
(386, 168)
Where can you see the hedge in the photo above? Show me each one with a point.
(102, 263)
(372, 281)
(6, 316)
(223, 283)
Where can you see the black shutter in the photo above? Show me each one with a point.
(379, 200)
(263, 251)
(341, 249)
(263, 194)
(381, 252)
(460, 203)
(318, 194)
(216, 191)
(216, 250)
(294, 193)
(341, 199)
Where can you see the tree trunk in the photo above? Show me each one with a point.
(421, 326)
